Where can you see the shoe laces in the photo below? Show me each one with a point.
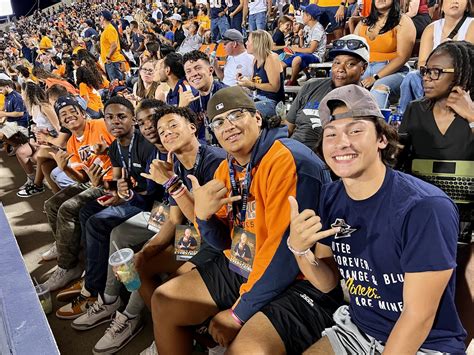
(116, 327)
(78, 300)
(58, 274)
(96, 307)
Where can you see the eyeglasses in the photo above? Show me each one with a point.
(434, 73)
(351, 44)
(233, 116)
(147, 71)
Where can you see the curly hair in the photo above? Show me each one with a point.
(184, 112)
(194, 56)
(120, 100)
(86, 76)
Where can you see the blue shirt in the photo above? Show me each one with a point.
(14, 103)
(200, 108)
(408, 226)
(172, 98)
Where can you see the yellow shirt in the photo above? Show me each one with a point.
(204, 21)
(2, 101)
(328, 3)
(108, 37)
(46, 43)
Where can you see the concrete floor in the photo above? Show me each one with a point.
(32, 231)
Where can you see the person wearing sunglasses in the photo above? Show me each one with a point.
(350, 57)
(391, 36)
(264, 307)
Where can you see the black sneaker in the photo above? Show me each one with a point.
(30, 190)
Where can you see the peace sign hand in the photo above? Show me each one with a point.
(209, 198)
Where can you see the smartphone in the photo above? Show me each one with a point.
(104, 198)
(111, 185)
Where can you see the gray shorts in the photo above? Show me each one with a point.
(346, 338)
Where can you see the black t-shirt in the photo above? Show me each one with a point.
(427, 142)
(141, 152)
(179, 36)
(278, 38)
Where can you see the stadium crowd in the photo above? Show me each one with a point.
(256, 156)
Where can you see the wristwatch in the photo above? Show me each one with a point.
(471, 125)
(376, 76)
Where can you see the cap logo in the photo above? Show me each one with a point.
(219, 106)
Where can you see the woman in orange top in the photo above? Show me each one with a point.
(391, 36)
(88, 89)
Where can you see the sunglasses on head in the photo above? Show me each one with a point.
(351, 44)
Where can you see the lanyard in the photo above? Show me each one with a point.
(204, 109)
(245, 191)
(196, 163)
(129, 166)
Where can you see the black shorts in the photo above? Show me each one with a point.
(299, 314)
(205, 254)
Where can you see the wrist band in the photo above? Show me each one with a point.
(175, 187)
(170, 182)
(296, 252)
(237, 319)
(178, 192)
(471, 125)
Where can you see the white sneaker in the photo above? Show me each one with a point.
(51, 254)
(120, 333)
(97, 313)
(27, 182)
(151, 350)
(217, 350)
(61, 277)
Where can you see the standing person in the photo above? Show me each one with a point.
(387, 260)
(219, 21)
(235, 13)
(239, 61)
(171, 71)
(350, 57)
(313, 48)
(265, 310)
(88, 33)
(256, 13)
(391, 36)
(110, 51)
(268, 75)
(199, 74)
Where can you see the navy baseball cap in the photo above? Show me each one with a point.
(313, 10)
(64, 101)
(106, 14)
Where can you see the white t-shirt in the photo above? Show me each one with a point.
(256, 6)
(316, 33)
(243, 63)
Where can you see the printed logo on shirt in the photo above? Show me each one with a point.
(345, 231)
(85, 152)
(308, 299)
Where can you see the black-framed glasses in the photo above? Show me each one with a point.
(351, 44)
(434, 73)
(233, 116)
(147, 71)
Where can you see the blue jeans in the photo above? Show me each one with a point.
(93, 114)
(411, 89)
(218, 26)
(236, 22)
(113, 71)
(392, 82)
(258, 21)
(61, 179)
(97, 223)
(265, 106)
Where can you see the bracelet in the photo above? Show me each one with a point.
(173, 188)
(376, 76)
(178, 192)
(237, 319)
(296, 252)
(170, 182)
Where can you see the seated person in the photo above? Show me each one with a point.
(436, 33)
(260, 311)
(391, 36)
(418, 11)
(281, 35)
(312, 49)
(268, 75)
(387, 259)
(350, 56)
(170, 70)
(88, 90)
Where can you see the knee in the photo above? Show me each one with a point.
(382, 88)
(68, 209)
(248, 346)
(296, 61)
(161, 301)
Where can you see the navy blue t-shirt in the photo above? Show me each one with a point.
(408, 226)
(14, 103)
(209, 160)
(233, 4)
(172, 98)
(199, 106)
(216, 7)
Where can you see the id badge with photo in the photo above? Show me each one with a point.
(242, 252)
(158, 216)
(187, 242)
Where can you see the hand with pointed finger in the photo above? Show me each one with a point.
(186, 97)
(160, 171)
(209, 198)
(123, 188)
(62, 158)
(95, 174)
(100, 148)
(305, 228)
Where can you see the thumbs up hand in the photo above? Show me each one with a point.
(209, 198)
(305, 227)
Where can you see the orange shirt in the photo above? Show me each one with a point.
(108, 37)
(60, 71)
(383, 47)
(46, 43)
(366, 6)
(82, 151)
(94, 102)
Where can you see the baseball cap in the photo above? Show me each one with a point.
(358, 100)
(89, 22)
(154, 5)
(64, 101)
(4, 76)
(351, 44)
(176, 17)
(233, 35)
(230, 98)
(106, 14)
(313, 10)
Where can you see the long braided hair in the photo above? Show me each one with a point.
(462, 55)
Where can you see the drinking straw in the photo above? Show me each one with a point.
(119, 251)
